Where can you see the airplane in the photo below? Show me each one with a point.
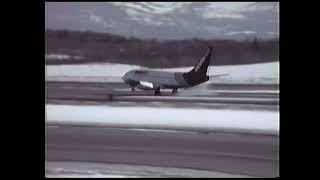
(156, 80)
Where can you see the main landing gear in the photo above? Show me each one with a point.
(157, 91)
(174, 91)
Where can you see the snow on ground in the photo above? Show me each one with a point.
(249, 73)
(85, 78)
(106, 72)
(87, 176)
(107, 170)
(204, 120)
(61, 57)
(90, 70)
(99, 72)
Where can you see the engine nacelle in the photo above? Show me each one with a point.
(145, 85)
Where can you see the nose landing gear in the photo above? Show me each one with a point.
(132, 86)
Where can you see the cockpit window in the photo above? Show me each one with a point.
(140, 72)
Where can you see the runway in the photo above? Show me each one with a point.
(237, 154)
(235, 96)
(110, 85)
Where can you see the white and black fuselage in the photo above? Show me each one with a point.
(156, 80)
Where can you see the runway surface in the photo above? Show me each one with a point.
(237, 154)
(235, 96)
(263, 90)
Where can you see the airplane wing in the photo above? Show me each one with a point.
(213, 76)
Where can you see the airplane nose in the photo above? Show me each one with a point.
(124, 78)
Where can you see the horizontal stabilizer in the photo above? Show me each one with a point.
(218, 75)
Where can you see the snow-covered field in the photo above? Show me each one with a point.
(106, 170)
(61, 57)
(107, 72)
(251, 73)
(187, 119)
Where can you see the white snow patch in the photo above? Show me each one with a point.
(85, 78)
(104, 72)
(236, 121)
(61, 56)
(90, 70)
(155, 130)
(89, 169)
(87, 176)
(249, 73)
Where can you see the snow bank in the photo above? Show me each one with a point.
(105, 79)
(111, 170)
(87, 176)
(90, 70)
(61, 57)
(203, 120)
(103, 72)
(250, 73)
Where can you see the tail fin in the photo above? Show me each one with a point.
(199, 73)
(203, 63)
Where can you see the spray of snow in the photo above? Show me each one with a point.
(201, 89)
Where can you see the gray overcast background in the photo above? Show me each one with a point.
(168, 20)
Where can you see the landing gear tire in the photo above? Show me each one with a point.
(157, 91)
(174, 91)
(132, 88)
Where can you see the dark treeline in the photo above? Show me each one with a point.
(104, 47)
